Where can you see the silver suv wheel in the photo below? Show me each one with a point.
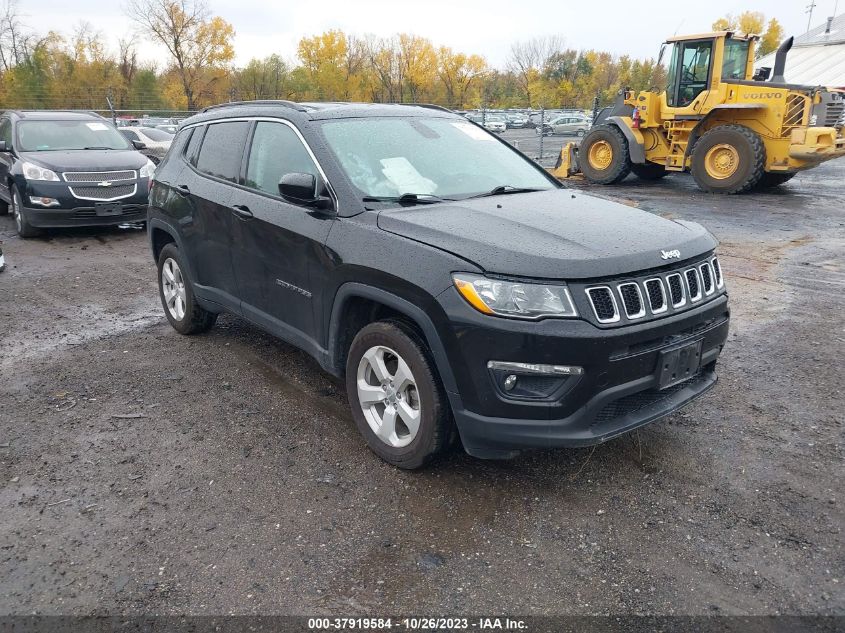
(173, 285)
(388, 397)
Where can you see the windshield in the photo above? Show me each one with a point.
(448, 158)
(155, 134)
(39, 136)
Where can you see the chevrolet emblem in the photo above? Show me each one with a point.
(105, 183)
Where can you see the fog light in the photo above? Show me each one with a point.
(44, 202)
(532, 381)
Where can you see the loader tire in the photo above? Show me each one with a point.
(728, 159)
(773, 179)
(603, 155)
(649, 171)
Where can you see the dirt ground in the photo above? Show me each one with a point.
(147, 472)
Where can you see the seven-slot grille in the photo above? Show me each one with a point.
(655, 295)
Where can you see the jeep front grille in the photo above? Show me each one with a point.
(632, 300)
(604, 304)
(655, 295)
(99, 176)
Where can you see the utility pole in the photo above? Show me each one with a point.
(810, 8)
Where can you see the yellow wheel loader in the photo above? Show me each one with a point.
(732, 129)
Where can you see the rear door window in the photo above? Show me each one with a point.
(222, 150)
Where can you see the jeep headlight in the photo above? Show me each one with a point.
(148, 170)
(36, 172)
(515, 298)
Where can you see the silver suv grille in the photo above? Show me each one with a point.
(104, 194)
(656, 294)
(99, 176)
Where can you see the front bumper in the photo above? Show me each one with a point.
(72, 211)
(617, 393)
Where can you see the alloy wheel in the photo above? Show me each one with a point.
(173, 288)
(388, 396)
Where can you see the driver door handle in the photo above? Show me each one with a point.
(242, 211)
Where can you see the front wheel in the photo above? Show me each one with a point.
(773, 179)
(24, 228)
(397, 400)
(603, 155)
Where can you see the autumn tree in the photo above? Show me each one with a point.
(770, 33)
(267, 78)
(16, 40)
(459, 74)
(527, 60)
(199, 44)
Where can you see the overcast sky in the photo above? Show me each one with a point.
(486, 27)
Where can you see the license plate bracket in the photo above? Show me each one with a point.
(108, 208)
(678, 364)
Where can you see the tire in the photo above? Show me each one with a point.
(387, 344)
(603, 155)
(772, 179)
(24, 228)
(649, 171)
(728, 159)
(4, 207)
(185, 314)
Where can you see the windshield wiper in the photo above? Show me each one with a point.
(505, 189)
(408, 198)
(97, 148)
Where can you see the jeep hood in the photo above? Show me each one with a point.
(558, 234)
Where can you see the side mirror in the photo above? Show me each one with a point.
(3, 147)
(139, 145)
(304, 189)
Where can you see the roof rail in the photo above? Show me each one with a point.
(430, 106)
(261, 102)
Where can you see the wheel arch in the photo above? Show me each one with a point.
(636, 145)
(357, 304)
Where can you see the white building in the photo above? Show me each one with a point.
(817, 57)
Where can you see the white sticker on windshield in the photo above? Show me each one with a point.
(97, 127)
(473, 131)
(405, 177)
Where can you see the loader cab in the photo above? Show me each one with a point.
(698, 63)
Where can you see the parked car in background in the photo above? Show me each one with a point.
(62, 169)
(155, 142)
(516, 121)
(495, 123)
(565, 125)
(455, 285)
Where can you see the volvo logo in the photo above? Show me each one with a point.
(675, 254)
(104, 183)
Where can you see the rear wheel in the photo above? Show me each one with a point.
(397, 400)
(773, 179)
(177, 295)
(728, 159)
(604, 155)
(649, 171)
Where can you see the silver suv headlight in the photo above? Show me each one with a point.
(515, 298)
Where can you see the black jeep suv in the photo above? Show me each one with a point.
(61, 169)
(452, 281)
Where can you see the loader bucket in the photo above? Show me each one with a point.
(567, 162)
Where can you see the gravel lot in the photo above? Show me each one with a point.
(146, 472)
